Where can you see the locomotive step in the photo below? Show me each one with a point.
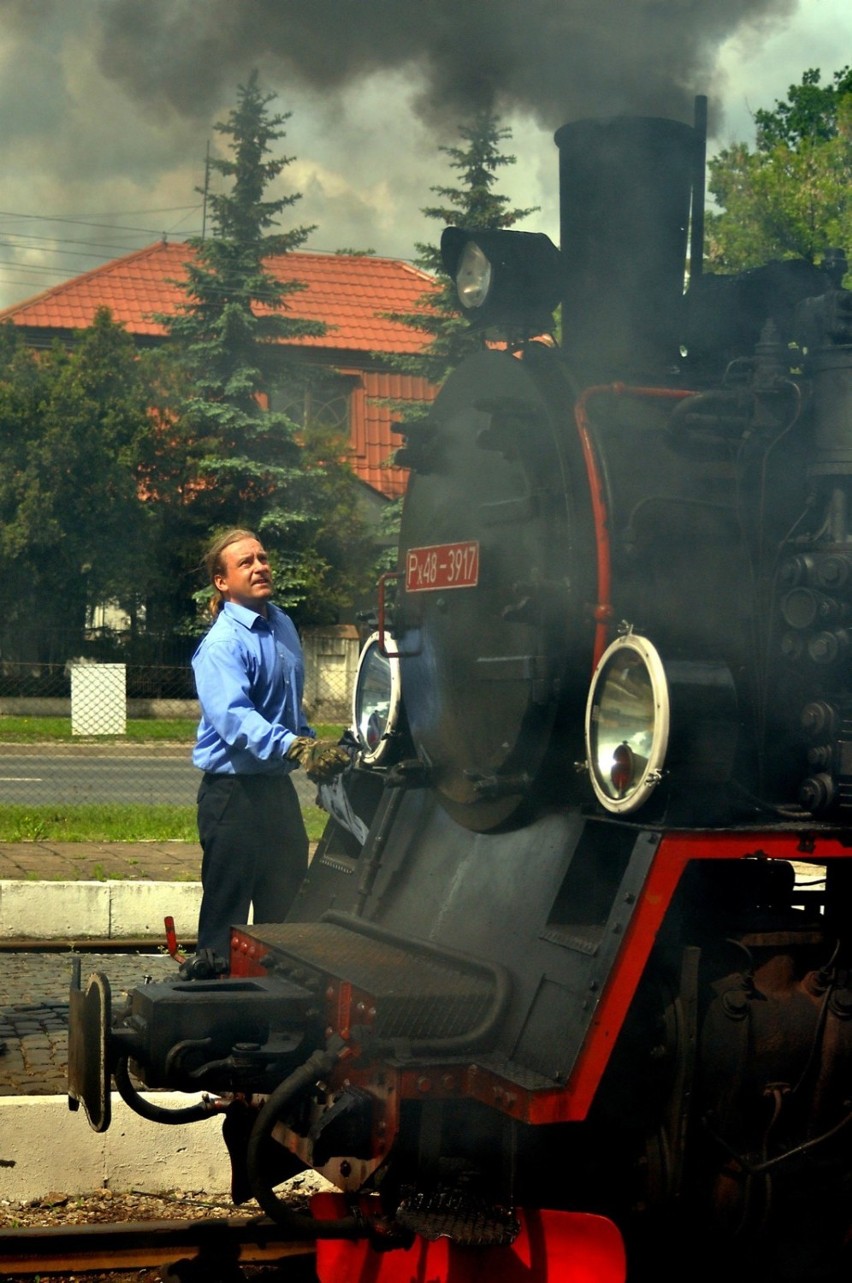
(409, 990)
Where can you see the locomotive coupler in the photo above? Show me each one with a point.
(227, 1034)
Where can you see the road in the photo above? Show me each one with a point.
(66, 774)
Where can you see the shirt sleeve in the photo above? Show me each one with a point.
(223, 686)
(304, 730)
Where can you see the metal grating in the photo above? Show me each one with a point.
(416, 995)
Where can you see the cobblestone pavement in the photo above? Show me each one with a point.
(34, 1011)
(34, 986)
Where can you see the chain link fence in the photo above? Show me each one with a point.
(104, 732)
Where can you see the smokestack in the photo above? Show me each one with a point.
(625, 185)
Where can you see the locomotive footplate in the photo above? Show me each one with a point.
(409, 994)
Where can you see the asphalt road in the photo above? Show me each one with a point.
(44, 775)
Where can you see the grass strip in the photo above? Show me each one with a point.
(42, 730)
(119, 823)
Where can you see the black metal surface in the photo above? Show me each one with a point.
(458, 1217)
(484, 668)
(176, 1028)
(90, 1015)
(415, 996)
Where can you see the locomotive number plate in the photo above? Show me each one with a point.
(443, 565)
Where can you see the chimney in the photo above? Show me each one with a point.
(625, 187)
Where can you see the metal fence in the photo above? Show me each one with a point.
(87, 732)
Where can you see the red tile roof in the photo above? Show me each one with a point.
(372, 436)
(348, 292)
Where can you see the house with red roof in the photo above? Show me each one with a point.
(350, 293)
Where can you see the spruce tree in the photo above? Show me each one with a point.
(476, 206)
(251, 465)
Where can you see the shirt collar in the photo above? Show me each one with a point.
(248, 618)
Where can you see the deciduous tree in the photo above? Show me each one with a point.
(73, 531)
(791, 195)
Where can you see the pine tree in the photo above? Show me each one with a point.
(473, 205)
(251, 465)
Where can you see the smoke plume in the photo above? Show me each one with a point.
(555, 59)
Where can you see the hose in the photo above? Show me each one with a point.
(316, 1067)
(155, 1113)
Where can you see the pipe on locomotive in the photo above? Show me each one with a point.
(316, 1067)
(450, 1045)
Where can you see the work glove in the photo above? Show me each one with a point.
(320, 759)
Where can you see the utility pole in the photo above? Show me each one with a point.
(206, 189)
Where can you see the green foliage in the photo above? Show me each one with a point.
(790, 197)
(72, 529)
(271, 469)
(226, 332)
(810, 114)
(474, 205)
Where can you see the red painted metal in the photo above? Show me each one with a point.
(675, 852)
(447, 565)
(552, 1247)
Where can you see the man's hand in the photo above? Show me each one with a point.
(320, 759)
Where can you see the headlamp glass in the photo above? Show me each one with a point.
(473, 278)
(627, 724)
(375, 700)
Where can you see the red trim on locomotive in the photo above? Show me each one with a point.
(571, 1247)
(602, 612)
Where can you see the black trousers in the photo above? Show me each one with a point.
(255, 852)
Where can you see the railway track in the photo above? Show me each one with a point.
(210, 1249)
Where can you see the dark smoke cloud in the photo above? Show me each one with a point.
(555, 59)
(108, 106)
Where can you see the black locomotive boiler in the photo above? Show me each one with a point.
(567, 991)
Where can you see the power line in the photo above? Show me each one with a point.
(112, 227)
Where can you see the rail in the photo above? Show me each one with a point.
(233, 1240)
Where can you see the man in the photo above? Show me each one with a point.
(249, 675)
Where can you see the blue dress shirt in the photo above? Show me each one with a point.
(250, 678)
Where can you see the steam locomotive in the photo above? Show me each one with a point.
(567, 993)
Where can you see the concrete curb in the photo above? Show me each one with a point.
(44, 1147)
(96, 910)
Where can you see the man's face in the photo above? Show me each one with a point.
(247, 579)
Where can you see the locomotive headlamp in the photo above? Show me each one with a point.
(644, 713)
(504, 279)
(375, 700)
(627, 724)
(473, 277)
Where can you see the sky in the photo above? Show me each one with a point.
(108, 107)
